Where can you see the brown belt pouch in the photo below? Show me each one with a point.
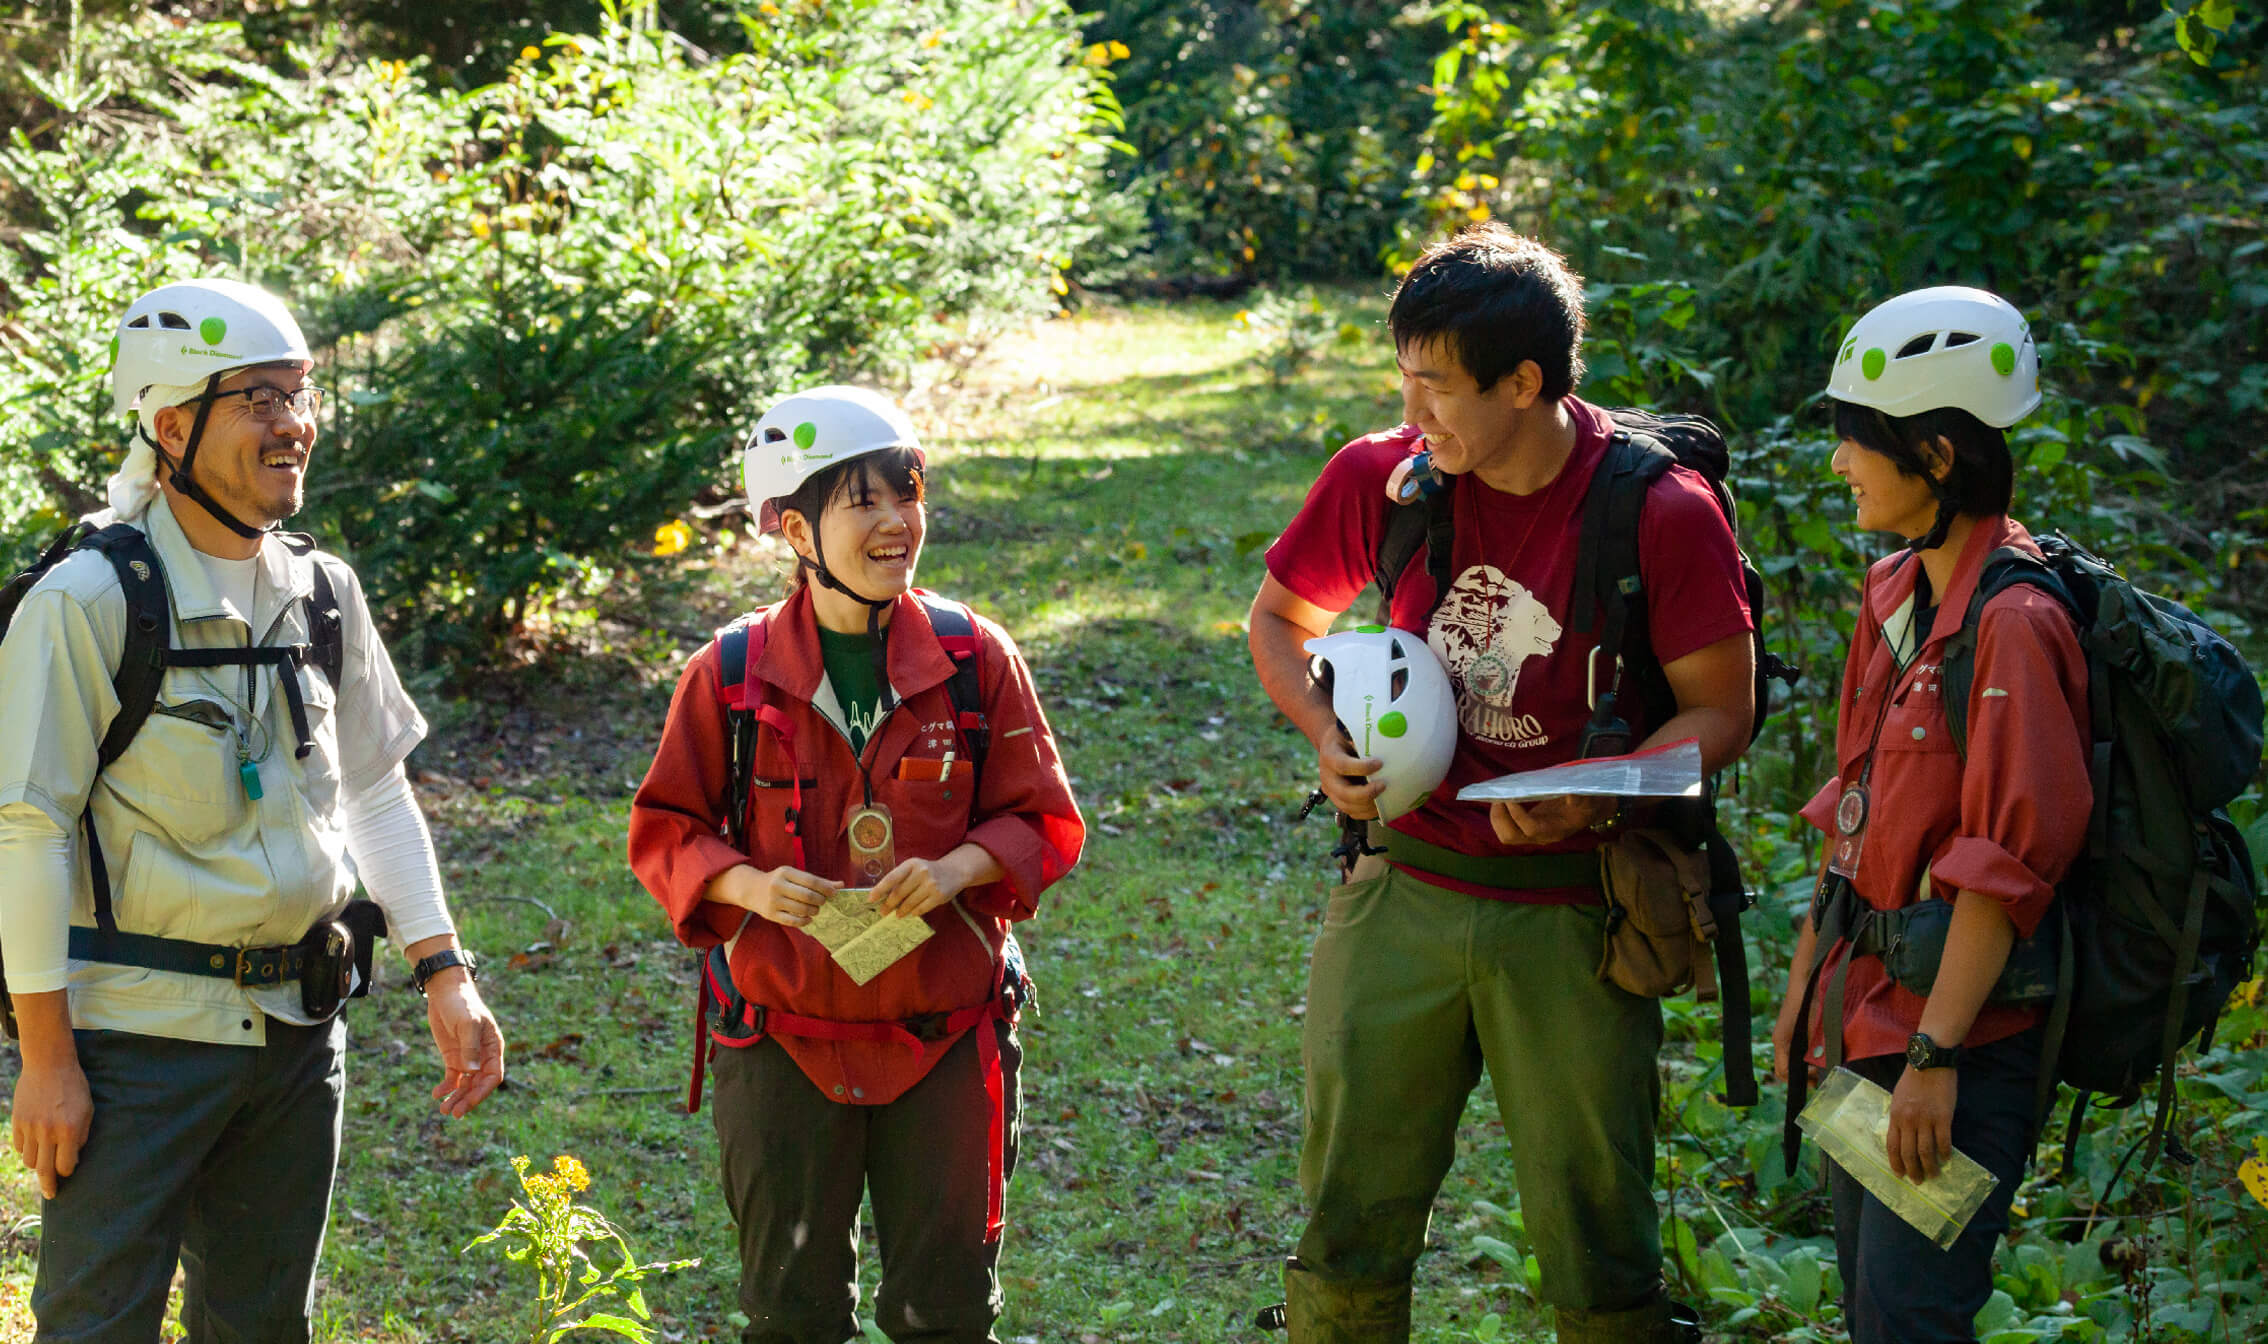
(1658, 923)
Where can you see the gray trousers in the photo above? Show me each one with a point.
(218, 1156)
(795, 1163)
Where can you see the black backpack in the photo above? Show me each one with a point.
(148, 650)
(1609, 597)
(2158, 914)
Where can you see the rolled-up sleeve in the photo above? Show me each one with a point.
(2025, 796)
(1029, 820)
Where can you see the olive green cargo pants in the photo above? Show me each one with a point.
(1412, 988)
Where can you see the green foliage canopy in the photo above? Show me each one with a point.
(548, 300)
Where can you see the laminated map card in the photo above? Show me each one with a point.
(1669, 771)
(862, 940)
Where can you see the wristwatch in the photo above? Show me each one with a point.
(1924, 1053)
(428, 967)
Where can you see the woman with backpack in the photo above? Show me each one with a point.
(1932, 841)
(859, 748)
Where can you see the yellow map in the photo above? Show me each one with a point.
(862, 940)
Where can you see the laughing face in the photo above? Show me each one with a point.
(870, 536)
(1466, 428)
(253, 466)
(1889, 498)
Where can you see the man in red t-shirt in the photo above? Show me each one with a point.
(1419, 977)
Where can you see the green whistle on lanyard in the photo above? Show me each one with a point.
(248, 771)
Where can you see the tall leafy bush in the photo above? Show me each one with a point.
(549, 300)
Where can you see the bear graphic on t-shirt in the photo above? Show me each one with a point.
(1488, 612)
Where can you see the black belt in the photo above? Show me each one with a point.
(249, 966)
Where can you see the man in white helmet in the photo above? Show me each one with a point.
(174, 889)
(1478, 939)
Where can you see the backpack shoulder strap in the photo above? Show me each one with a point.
(326, 628)
(1426, 523)
(956, 629)
(1606, 557)
(149, 622)
(1957, 669)
(739, 646)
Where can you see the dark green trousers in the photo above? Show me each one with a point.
(796, 1162)
(1411, 990)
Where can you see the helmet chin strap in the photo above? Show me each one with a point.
(183, 480)
(874, 609)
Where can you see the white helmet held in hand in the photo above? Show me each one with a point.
(1946, 346)
(1393, 698)
(810, 431)
(180, 335)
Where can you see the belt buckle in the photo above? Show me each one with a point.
(745, 1028)
(257, 966)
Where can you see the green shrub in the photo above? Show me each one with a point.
(1270, 140)
(549, 300)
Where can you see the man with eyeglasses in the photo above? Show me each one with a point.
(174, 909)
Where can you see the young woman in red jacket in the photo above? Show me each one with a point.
(1924, 386)
(892, 747)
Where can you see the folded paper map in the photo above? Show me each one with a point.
(862, 940)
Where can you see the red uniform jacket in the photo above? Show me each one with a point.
(2006, 823)
(1025, 817)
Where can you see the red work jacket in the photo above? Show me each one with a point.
(1024, 816)
(2007, 822)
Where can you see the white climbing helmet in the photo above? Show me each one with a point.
(810, 431)
(181, 334)
(1945, 346)
(1393, 698)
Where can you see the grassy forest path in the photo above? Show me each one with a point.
(1101, 484)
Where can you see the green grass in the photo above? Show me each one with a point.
(1099, 486)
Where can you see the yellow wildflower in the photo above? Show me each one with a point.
(572, 1171)
(670, 538)
(529, 53)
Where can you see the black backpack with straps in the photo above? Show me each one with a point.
(1609, 597)
(2157, 920)
(148, 650)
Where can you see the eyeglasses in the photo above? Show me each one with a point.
(267, 403)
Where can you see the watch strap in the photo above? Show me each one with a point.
(1923, 1052)
(428, 967)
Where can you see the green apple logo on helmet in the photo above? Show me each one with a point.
(211, 330)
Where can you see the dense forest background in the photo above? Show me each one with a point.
(618, 243)
(554, 255)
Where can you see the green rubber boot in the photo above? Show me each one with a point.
(1344, 1311)
(1660, 1321)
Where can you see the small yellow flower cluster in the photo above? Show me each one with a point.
(669, 539)
(567, 1177)
(1103, 53)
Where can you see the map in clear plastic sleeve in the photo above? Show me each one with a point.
(1849, 1118)
(1671, 771)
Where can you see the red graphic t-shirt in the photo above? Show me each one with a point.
(1522, 677)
